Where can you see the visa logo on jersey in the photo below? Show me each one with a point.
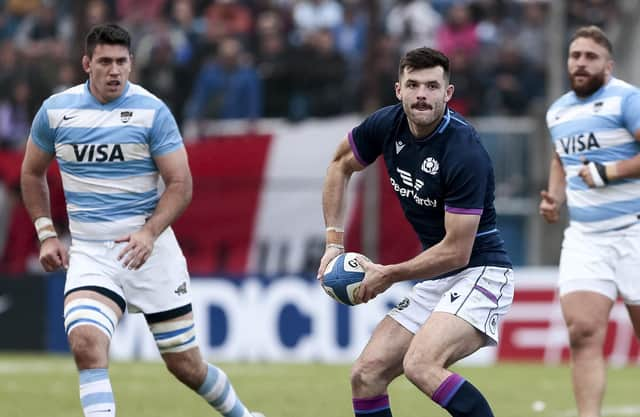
(577, 143)
(98, 153)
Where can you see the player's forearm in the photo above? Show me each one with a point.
(557, 181)
(35, 195)
(172, 203)
(437, 260)
(628, 168)
(333, 196)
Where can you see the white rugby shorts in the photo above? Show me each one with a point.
(481, 296)
(161, 284)
(607, 263)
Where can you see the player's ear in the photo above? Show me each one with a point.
(448, 93)
(85, 63)
(397, 88)
(608, 69)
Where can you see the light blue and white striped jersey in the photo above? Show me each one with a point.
(599, 128)
(105, 154)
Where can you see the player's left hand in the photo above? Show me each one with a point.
(138, 249)
(376, 281)
(329, 253)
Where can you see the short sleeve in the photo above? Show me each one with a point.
(164, 135)
(631, 112)
(41, 133)
(366, 139)
(466, 180)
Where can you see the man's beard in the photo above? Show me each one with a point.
(594, 82)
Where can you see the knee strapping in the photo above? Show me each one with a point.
(174, 336)
(88, 312)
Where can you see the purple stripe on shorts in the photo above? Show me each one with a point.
(486, 292)
(363, 405)
(354, 148)
(447, 389)
(458, 210)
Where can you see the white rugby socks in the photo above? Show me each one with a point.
(218, 392)
(96, 395)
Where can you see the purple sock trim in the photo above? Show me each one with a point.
(371, 404)
(447, 389)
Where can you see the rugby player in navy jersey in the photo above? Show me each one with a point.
(444, 180)
(112, 140)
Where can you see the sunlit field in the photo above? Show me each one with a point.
(46, 386)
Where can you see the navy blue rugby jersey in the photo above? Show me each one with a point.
(447, 170)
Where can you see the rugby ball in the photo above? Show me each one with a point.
(342, 277)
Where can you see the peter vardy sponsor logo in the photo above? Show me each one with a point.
(411, 193)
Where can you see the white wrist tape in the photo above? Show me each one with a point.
(335, 229)
(44, 228)
(598, 181)
(335, 245)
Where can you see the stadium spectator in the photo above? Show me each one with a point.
(458, 32)
(595, 129)
(232, 17)
(444, 180)
(514, 84)
(142, 266)
(591, 12)
(310, 16)
(66, 77)
(15, 115)
(321, 73)
(45, 33)
(412, 24)
(136, 12)
(468, 97)
(531, 38)
(274, 62)
(351, 41)
(227, 87)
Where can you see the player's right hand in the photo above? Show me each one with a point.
(53, 255)
(329, 254)
(549, 208)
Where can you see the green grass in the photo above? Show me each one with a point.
(46, 386)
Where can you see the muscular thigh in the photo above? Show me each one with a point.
(444, 339)
(586, 311)
(387, 347)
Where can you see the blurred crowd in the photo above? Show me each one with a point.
(293, 59)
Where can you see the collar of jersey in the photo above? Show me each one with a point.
(446, 118)
(112, 104)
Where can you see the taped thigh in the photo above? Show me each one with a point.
(89, 312)
(174, 336)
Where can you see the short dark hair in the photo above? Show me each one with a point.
(596, 34)
(424, 57)
(110, 34)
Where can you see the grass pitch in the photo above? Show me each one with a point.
(46, 386)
